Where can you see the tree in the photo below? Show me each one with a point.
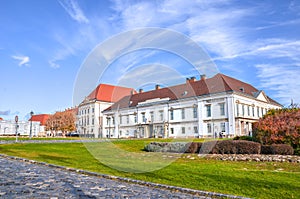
(61, 121)
(279, 127)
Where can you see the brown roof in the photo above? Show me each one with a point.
(1, 118)
(215, 84)
(109, 93)
(42, 118)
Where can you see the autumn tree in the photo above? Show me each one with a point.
(279, 127)
(61, 121)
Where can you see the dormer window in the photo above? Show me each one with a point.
(242, 89)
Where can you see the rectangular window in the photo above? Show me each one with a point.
(135, 118)
(161, 115)
(195, 129)
(262, 111)
(248, 110)
(108, 120)
(172, 130)
(113, 120)
(172, 115)
(243, 109)
(88, 121)
(93, 110)
(237, 110)
(208, 110)
(120, 119)
(152, 116)
(127, 119)
(195, 112)
(143, 117)
(183, 130)
(253, 111)
(222, 108)
(93, 121)
(223, 127)
(88, 110)
(209, 128)
(182, 114)
(257, 111)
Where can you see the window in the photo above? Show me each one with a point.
(209, 128)
(253, 110)
(195, 129)
(172, 130)
(257, 111)
(120, 119)
(152, 116)
(183, 130)
(237, 110)
(88, 110)
(143, 117)
(93, 110)
(93, 121)
(88, 121)
(161, 115)
(262, 111)
(223, 126)
(172, 115)
(222, 108)
(182, 114)
(243, 109)
(208, 110)
(135, 118)
(195, 112)
(113, 120)
(248, 110)
(127, 119)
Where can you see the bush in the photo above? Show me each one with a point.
(237, 147)
(208, 148)
(193, 147)
(173, 147)
(278, 149)
(248, 138)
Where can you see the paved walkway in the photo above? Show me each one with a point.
(19, 179)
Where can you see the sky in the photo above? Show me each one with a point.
(44, 44)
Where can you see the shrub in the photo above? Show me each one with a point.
(174, 147)
(279, 149)
(193, 147)
(248, 138)
(208, 147)
(237, 147)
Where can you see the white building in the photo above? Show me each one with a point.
(89, 116)
(204, 108)
(8, 127)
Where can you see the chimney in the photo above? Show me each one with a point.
(141, 90)
(187, 80)
(192, 79)
(157, 87)
(203, 77)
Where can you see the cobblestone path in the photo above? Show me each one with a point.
(26, 180)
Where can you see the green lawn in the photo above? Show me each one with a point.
(250, 179)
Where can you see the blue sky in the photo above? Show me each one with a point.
(44, 43)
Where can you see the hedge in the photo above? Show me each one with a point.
(220, 147)
(279, 149)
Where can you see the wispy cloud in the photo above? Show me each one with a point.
(5, 112)
(73, 9)
(23, 60)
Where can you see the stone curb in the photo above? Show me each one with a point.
(128, 180)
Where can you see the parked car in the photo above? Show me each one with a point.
(72, 134)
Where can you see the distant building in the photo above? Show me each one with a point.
(209, 107)
(41, 118)
(8, 127)
(90, 121)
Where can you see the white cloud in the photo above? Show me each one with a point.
(24, 60)
(73, 9)
(282, 79)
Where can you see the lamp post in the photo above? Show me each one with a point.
(30, 133)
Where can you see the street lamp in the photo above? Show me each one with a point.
(30, 133)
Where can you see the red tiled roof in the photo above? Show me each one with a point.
(215, 84)
(110, 93)
(42, 118)
(1, 118)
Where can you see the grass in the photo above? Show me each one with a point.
(250, 179)
(13, 138)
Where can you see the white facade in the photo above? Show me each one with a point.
(22, 127)
(228, 113)
(90, 118)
